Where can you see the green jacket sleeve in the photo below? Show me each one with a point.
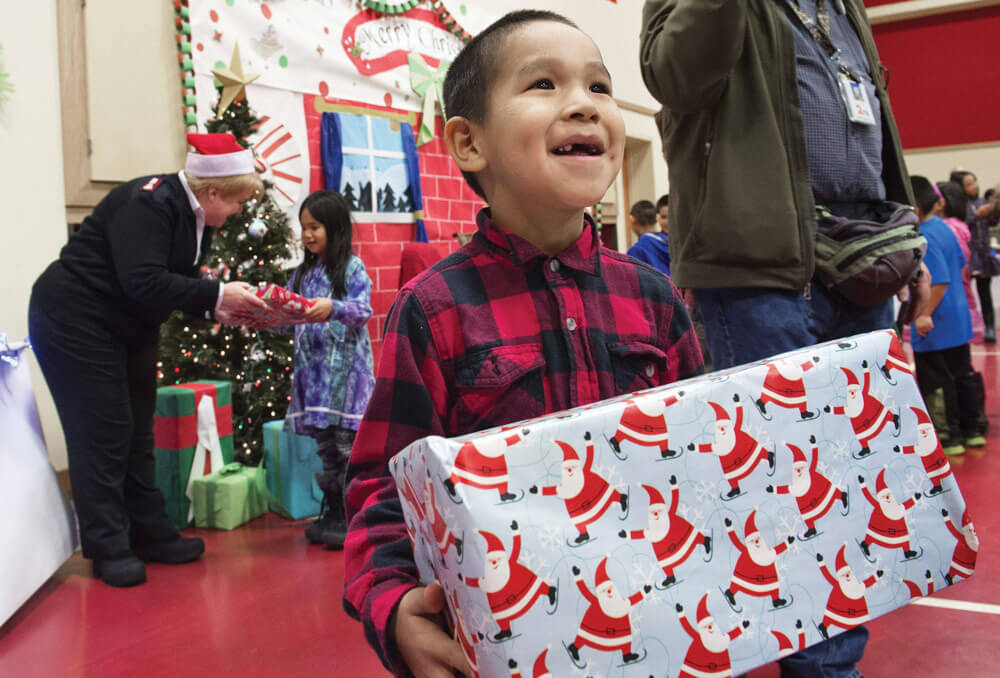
(688, 49)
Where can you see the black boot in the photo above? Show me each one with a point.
(173, 552)
(989, 335)
(120, 572)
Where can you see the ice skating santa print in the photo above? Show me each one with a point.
(444, 538)
(606, 626)
(930, 451)
(739, 452)
(868, 415)
(511, 588)
(914, 588)
(887, 526)
(708, 654)
(585, 493)
(643, 423)
(895, 360)
(539, 669)
(846, 606)
(785, 647)
(672, 537)
(483, 464)
(756, 571)
(784, 386)
(963, 560)
(814, 493)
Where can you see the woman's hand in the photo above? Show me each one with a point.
(238, 298)
(985, 210)
(319, 311)
(418, 630)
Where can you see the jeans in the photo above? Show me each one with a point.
(747, 324)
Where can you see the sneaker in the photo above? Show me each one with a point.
(975, 441)
(989, 335)
(952, 449)
(120, 572)
(173, 552)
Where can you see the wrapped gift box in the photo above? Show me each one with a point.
(284, 307)
(233, 495)
(292, 465)
(176, 436)
(710, 525)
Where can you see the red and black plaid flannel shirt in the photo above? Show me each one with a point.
(496, 333)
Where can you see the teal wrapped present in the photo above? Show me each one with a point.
(292, 466)
(231, 496)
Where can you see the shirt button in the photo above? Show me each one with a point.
(554, 265)
(570, 324)
(650, 369)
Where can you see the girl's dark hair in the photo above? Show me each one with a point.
(955, 199)
(330, 209)
(924, 193)
(958, 176)
(472, 75)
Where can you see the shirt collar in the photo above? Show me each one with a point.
(582, 255)
(199, 214)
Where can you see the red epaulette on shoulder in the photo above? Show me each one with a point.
(151, 184)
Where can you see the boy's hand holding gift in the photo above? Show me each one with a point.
(418, 629)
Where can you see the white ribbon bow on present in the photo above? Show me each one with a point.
(208, 443)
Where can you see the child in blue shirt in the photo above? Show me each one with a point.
(652, 246)
(942, 330)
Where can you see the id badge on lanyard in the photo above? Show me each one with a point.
(855, 96)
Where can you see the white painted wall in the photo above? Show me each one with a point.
(936, 164)
(33, 216)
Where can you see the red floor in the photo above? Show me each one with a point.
(263, 603)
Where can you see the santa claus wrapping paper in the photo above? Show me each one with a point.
(698, 529)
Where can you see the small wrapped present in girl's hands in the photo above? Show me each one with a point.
(284, 307)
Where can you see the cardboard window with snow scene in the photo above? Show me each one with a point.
(702, 528)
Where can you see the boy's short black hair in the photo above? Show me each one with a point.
(471, 76)
(990, 192)
(644, 212)
(955, 200)
(923, 193)
(664, 201)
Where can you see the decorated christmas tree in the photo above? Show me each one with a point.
(253, 247)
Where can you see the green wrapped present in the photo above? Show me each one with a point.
(191, 439)
(231, 496)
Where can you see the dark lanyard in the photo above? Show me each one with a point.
(822, 34)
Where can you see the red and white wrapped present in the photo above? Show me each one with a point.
(284, 307)
(702, 528)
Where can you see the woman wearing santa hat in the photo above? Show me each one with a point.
(94, 320)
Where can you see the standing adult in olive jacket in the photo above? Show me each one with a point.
(756, 133)
(94, 319)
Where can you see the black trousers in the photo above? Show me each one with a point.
(333, 445)
(105, 393)
(985, 299)
(950, 370)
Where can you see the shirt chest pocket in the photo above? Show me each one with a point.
(498, 385)
(637, 365)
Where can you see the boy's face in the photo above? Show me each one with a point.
(552, 132)
(663, 218)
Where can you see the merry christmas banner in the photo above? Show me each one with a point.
(698, 529)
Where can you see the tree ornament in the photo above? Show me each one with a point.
(233, 81)
(257, 228)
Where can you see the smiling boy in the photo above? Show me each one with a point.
(532, 316)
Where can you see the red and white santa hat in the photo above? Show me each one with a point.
(750, 528)
(601, 579)
(703, 614)
(841, 563)
(880, 485)
(720, 412)
(798, 456)
(922, 417)
(494, 547)
(217, 155)
(851, 379)
(540, 670)
(569, 454)
(655, 498)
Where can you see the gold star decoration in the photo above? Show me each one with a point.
(233, 81)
